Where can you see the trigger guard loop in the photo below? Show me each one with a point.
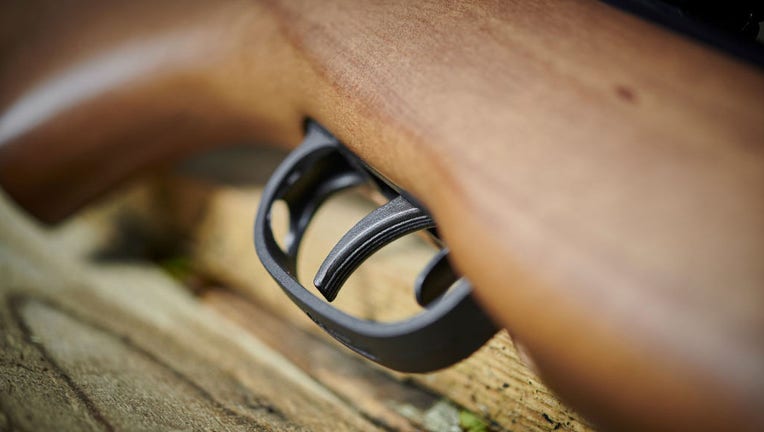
(449, 331)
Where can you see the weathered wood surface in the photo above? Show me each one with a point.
(116, 309)
(494, 382)
(80, 302)
(218, 222)
(123, 347)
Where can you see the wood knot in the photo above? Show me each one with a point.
(625, 93)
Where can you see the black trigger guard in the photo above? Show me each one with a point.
(448, 331)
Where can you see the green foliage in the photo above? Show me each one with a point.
(469, 422)
(178, 267)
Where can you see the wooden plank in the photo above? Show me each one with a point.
(379, 396)
(494, 382)
(123, 347)
(128, 228)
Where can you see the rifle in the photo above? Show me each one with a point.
(597, 178)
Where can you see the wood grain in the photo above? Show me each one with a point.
(114, 240)
(209, 222)
(493, 382)
(102, 347)
(598, 179)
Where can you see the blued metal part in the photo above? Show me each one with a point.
(380, 227)
(667, 14)
(435, 279)
(445, 333)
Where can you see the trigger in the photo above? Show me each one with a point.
(380, 227)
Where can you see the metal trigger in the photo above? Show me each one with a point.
(385, 224)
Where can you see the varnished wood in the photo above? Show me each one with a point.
(598, 179)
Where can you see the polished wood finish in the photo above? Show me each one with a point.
(598, 179)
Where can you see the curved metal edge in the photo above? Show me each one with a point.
(436, 338)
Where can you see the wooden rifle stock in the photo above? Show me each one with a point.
(600, 180)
